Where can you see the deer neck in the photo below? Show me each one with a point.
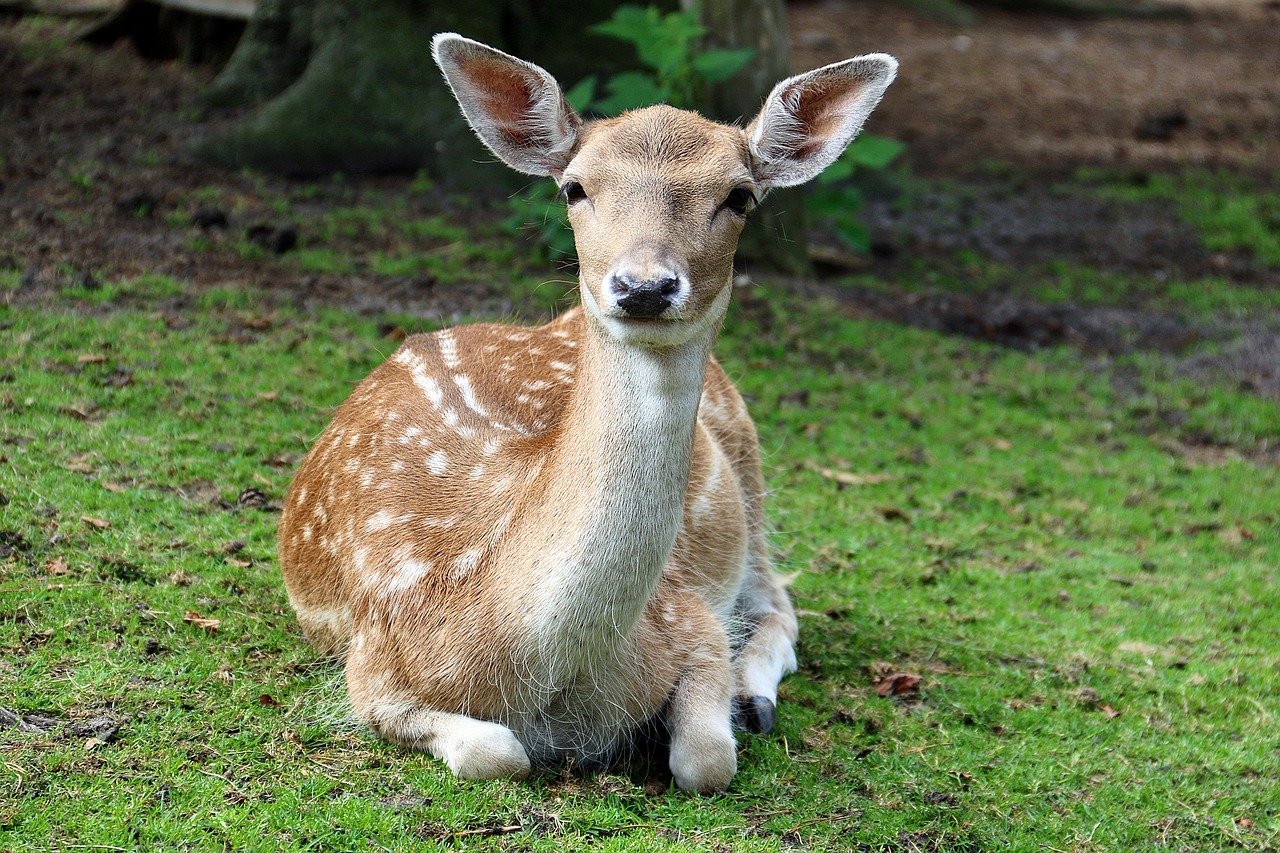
(615, 486)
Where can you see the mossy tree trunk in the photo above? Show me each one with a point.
(344, 85)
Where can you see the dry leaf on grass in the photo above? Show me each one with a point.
(91, 358)
(194, 618)
(848, 478)
(100, 523)
(898, 684)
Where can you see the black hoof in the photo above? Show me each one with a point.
(754, 714)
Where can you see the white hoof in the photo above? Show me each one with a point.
(485, 751)
(704, 764)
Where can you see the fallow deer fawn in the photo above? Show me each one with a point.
(526, 542)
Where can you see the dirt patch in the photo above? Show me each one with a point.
(1050, 93)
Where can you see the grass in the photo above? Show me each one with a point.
(1087, 588)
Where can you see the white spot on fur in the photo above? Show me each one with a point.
(382, 519)
(465, 563)
(438, 463)
(469, 395)
(429, 386)
(406, 575)
(407, 357)
(448, 348)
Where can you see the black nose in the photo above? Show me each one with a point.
(644, 299)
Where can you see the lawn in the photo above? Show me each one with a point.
(1040, 596)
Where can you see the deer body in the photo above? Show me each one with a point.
(526, 542)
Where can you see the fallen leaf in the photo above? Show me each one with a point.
(113, 487)
(1244, 823)
(94, 743)
(194, 618)
(848, 478)
(1002, 444)
(268, 395)
(91, 358)
(268, 701)
(1111, 713)
(100, 523)
(57, 567)
(898, 684)
(239, 564)
(892, 513)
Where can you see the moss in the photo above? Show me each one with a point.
(368, 100)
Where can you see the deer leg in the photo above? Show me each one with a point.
(472, 748)
(704, 755)
(767, 652)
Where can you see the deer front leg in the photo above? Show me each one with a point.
(704, 755)
(768, 651)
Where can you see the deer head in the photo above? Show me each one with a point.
(657, 197)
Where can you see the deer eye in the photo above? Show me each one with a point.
(572, 191)
(740, 200)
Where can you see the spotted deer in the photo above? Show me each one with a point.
(527, 542)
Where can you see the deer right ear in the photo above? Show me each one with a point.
(808, 120)
(515, 107)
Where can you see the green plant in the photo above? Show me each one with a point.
(677, 71)
(668, 46)
(836, 200)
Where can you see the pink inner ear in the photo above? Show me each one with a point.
(821, 106)
(507, 93)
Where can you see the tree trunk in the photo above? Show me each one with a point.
(350, 86)
(775, 233)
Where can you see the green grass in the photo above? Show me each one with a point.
(1089, 594)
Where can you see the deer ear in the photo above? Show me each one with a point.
(515, 107)
(808, 120)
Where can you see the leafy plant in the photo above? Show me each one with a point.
(668, 46)
(836, 199)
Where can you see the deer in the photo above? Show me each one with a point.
(524, 544)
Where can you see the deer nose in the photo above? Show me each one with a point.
(644, 298)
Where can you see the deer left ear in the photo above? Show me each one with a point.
(515, 107)
(808, 120)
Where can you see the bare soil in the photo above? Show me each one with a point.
(92, 170)
(1051, 93)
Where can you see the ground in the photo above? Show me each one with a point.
(1033, 543)
(96, 182)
